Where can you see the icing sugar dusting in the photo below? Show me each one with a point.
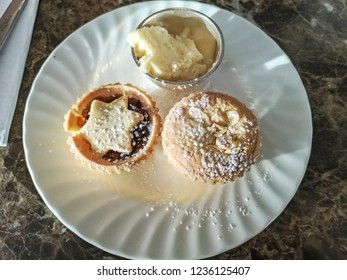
(224, 216)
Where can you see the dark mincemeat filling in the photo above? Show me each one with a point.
(139, 134)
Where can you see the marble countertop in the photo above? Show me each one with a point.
(313, 225)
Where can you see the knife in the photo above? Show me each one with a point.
(9, 18)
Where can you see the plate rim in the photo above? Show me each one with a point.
(27, 151)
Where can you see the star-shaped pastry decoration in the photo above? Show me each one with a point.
(109, 126)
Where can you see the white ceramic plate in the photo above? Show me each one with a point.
(154, 212)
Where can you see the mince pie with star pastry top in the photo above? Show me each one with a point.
(113, 127)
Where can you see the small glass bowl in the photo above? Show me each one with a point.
(211, 26)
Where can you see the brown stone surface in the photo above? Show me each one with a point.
(313, 225)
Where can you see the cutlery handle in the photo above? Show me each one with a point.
(9, 18)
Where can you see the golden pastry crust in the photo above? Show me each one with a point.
(211, 136)
(142, 124)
